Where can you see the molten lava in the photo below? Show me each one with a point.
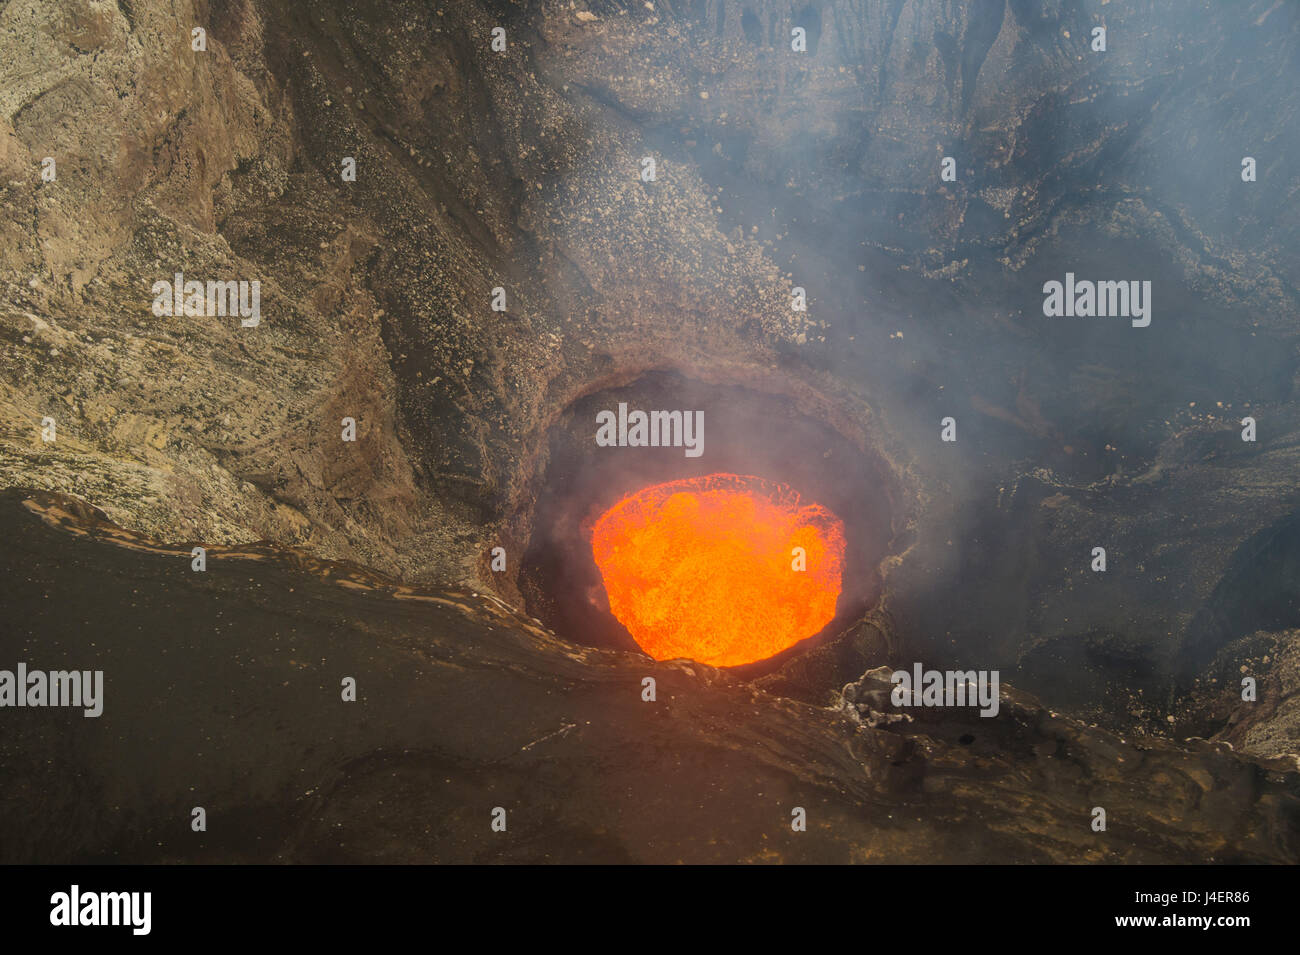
(708, 568)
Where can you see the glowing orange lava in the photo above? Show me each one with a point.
(706, 568)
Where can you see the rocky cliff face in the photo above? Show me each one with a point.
(520, 170)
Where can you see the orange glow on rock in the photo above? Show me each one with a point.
(703, 568)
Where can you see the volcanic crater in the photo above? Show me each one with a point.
(769, 435)
(514, 177)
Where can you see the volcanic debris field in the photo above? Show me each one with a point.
(460, 250)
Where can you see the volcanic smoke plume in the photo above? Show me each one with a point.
(724, 569)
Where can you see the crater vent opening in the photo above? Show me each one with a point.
(682, 538)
